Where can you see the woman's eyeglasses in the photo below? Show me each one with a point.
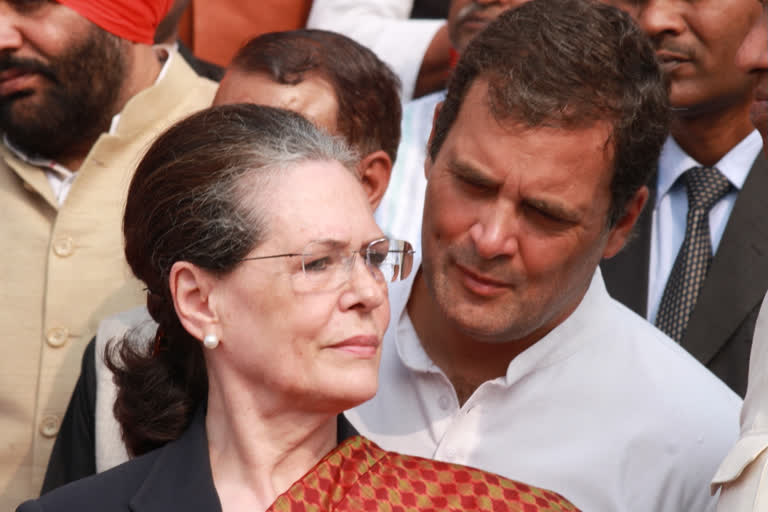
(327, 264)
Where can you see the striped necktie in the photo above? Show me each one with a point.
(705, 187)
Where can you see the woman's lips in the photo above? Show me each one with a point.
(364, 345)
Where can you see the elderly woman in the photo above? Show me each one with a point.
(267, 277)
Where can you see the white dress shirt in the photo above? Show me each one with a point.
(384, 27)
(605, 410)
(671, 207)
(400, 211)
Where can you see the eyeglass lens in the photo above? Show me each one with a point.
(326, 265)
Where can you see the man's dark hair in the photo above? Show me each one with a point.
(366, 89)
(570, 63)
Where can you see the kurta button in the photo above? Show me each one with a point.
(57, 336)
(444, 402)
(63, 246)
(49, 427)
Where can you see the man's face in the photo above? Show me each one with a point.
(313, 97)
(60, 76)
(466, 18)
(515, 222)
(696, 43)
(752, 58)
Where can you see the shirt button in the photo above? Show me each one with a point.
(49, 427)
(444, 402)
(57, 336)
(63, 246)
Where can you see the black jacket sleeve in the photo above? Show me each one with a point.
(74, 452)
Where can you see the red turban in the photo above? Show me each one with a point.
(135, 20)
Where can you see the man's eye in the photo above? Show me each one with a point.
(547, 219)
(473, 185)
(25, 6)
(546, 215)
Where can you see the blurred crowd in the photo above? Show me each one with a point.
(384, 255)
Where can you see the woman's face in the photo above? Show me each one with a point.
(316, 349)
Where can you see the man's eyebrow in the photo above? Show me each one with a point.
(554, 209)
(471, 174)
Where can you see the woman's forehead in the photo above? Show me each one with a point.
(319, 200)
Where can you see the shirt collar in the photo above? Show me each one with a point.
(735, 165)
(63, 172)
(165, 53)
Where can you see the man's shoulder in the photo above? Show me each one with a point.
(178, 92)
(653, 360)
(188, 84)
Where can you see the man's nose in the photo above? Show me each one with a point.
(496, 232)
(10, 34)
(661, 17)
(752, 55)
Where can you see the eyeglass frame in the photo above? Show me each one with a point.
(406, 251)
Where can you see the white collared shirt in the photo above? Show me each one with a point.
(671, 207)
(605, 410)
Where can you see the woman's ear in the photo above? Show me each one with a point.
(190, 288)
(375, 170)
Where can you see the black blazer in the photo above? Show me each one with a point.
(720, 329)
(174, 477)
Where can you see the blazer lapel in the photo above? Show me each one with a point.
(738, 277)
(626, 274)
(181, 477)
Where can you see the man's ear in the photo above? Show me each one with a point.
(620, 233)
(191, 289)
(375, 170)
(428, 160)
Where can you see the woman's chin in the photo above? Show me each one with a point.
(351, 391)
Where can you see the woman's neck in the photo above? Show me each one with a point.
(257, 453)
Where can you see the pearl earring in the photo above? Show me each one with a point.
(211, 341)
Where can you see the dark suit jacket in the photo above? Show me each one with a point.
(720, 329)
(174, 477)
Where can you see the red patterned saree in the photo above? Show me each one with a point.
(360, 476)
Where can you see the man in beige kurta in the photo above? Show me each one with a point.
(64, 170)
